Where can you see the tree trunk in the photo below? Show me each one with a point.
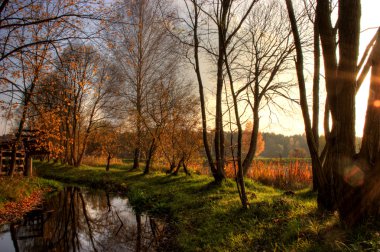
(149, 158)
(340, 85)
(369, 156)
(108, 161)
(172, 166)
(201, 91)
(342, 137)
(326, 196)
(139, 86)
(303, 100)
(219, 132)
(187, 172)
(178, 166)
(136, 158)
(255, 132)
(315, 127)
(240, 170)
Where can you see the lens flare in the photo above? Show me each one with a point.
(354, 176)
(376, 104)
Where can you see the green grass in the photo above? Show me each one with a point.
(207, 217)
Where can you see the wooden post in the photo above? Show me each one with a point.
(28, 167)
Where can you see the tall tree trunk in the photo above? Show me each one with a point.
(139, 83)
(342, 138)
(219, 132)
(240, 170)
(303, 99)
(315, 127)
(201, 91)
(327, 33)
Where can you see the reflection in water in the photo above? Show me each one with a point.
(73, 220)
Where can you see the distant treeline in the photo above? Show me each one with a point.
(280, 146)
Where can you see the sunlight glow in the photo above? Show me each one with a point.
(376, 103)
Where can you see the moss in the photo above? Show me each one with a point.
(208, 217)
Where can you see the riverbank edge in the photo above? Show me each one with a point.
(19, 195)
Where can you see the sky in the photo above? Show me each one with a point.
(370, 22)
(292, 123)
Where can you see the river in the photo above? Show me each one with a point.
(76, 219)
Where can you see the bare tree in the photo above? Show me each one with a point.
(248, 65)
(144, 51)
(260, 63)
(223, 20)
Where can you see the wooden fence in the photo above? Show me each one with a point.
(5, 160)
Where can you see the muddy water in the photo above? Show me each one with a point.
(79, 220)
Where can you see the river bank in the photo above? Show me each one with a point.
(19, 195)
(209, 218)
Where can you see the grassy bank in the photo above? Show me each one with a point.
(209, 218)
(19, 195)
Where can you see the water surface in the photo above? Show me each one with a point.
(79, 220)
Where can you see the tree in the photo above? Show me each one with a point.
(223, 18)
(168, 109)
(347, 177)
(80, 92)
(106, 141)
(18, 18)
(261, 61)
(31, 32)
(181, 139)
(145, 54)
